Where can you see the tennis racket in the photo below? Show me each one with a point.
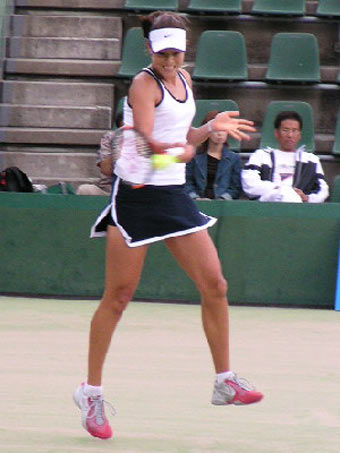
(132, 156)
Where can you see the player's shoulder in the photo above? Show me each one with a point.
(143, 84)
(143, 77)
(186, 75)
(144, 88)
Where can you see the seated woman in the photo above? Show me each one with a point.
(215, 172)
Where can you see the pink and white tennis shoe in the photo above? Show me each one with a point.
(234, 390)
(93, 414)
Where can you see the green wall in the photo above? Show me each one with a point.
(272, 253)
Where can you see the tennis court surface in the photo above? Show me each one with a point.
(159, 377)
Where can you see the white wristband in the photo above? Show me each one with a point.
(209, 123)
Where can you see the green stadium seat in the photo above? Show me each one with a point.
(328, 8)
(214, 7)
(279, 7)
(120, 105)
(294, 57)
(304, 109)
(336, 145)
(151, 5)
(119, 109)
(203, 106)
(335, 190)
(221, 56)
(134, 54)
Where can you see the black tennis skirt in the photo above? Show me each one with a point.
(150, 213)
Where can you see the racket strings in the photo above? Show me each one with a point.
(142, 147)
(132, 142)
(117, 144)
(133, 153)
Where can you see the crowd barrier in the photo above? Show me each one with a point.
(280, 254)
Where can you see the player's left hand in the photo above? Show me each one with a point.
(236, 127)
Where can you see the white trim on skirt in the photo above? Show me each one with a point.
(111, 208)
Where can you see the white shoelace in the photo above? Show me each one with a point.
(98, 405)
(243, 383)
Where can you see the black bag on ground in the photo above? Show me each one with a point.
(12, 179)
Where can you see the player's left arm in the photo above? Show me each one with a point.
(228, 122)
(224, 121)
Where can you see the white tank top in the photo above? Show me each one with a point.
(172, 120)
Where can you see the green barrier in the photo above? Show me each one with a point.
(271, 253)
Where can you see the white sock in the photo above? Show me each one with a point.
(93, 390)
(221, 377)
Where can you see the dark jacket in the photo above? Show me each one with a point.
(227, 180)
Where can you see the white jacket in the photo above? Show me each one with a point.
(261, 181)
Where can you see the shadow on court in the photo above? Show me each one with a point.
(159, 377)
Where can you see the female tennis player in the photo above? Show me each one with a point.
(160, 105)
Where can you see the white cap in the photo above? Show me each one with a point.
(168, 38)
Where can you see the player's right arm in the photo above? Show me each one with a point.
(144, 95)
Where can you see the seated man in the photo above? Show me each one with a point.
(287, 173)
(104, 162)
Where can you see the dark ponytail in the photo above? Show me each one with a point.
(162, 19)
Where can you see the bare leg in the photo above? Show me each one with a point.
(123, 270)
(197, 255)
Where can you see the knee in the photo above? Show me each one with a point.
(117, 302)
(221, 287)
(214, 288)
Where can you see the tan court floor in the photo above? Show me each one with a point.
(159, 377)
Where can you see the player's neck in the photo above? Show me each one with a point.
(170, 79)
